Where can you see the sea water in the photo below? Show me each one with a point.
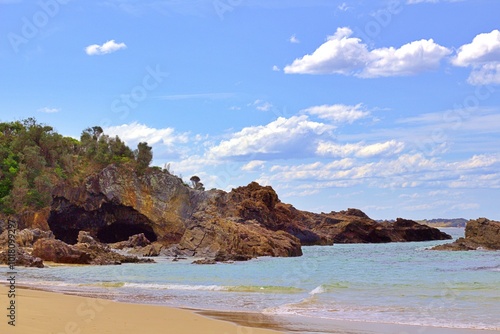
(401, 283)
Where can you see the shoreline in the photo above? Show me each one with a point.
(42, 311)
(305, 325)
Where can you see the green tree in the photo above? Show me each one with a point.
(143, 156)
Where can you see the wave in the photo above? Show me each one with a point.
(239, 288)
(325, 288)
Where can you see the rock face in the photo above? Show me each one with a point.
(479, 233)
(116, 204)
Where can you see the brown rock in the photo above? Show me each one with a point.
(481, 233)
(22, 259)
(137, 240)
(484, 232)
(87, 252)
(57, 251)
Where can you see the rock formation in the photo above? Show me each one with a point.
(155, 213)
(85, 251)
(480, 233)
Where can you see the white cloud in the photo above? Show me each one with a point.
(339, 54)
(262, 105)
(342, 54)
(360, 150)
(276, 68)
(338, 112)
(406, 171)
(483, 55)
(294, 134)
(253, 165)
(163, 139)
(477, 161)
(410, 59)
(49, 110)
(108, 47)
(294, 39)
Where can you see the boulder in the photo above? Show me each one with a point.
(23, 258)
(87, 252)
(137, 240)
(57, 251)
(480, 233)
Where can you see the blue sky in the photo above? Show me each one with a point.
(392, 107)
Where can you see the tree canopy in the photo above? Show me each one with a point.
(34, 159)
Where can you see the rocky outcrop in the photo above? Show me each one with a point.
(480, 233)
(86, 251)
(173, 219)
(23, 258)
(117, 203)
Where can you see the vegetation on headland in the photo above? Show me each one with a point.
(444, 222)
(34, 158)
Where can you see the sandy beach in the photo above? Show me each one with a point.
(50, 312)
(47, 312)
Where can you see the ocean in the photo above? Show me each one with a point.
(399, 283)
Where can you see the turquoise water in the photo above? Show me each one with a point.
(402, 283)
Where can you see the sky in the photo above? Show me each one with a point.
(391, 107)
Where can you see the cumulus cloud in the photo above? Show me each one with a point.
(410, 59)
(253, 165)
(338, 55)
(284, 135)
(164, 140)
(403, 171)
(339, 113)
(360, 150)
(483, 55)
(108, 47)
(49, 110)
(342, 54)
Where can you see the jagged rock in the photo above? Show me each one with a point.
(85, 238)
(484, 232)
(151, 250)
(409, 230)
(481, 233)
(204, 261)
(137, 240)
(117, 203)
(26, 237)
(57, 251)
(87, 252)
(22, 259)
